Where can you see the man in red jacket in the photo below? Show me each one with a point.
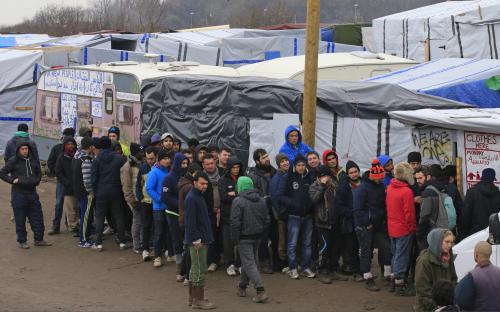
(401, 224)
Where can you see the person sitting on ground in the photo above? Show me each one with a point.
(293, 145)
(443, 297)
(479, 290)
(433, 264)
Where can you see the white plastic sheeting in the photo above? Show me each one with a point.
(452, 28)
(17, 67)
(96, 55)
(182, 51)
(441, 73)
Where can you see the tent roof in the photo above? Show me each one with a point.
(476, 93)
(288, 67)
(470, 119)
(441, 73)
(18, 67)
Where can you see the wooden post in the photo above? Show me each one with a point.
(460, 180)
(311, 73)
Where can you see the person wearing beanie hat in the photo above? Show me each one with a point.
(401, 223)
(82, 186)
(300, 216)
(227, 191)
(331, 160)
(249, 219)
(388, 165)
(346, 191)
(481, 201)
(21, 135)
(128, 176)
(69, 132)
(167, 141)
(293, 145)
(156, 140)
(106, 183)
(327, 216)
(114, 135)
(370, 223)
(415, 161)
(85, 132)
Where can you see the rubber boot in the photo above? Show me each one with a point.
(198, 299)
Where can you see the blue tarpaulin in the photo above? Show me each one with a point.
(7, 42)
(475, 93)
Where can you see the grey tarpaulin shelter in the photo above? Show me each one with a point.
(352, 116)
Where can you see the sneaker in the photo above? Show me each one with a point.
(97, 247)
(145, 255)
(54, 232)
(157, 262)
(231, 270)
(137, 251)
(108, 231)
(285, 270)
(212, 267)
(42, 243)
(371, 286)
(171, 259)
(339, 277)
(179, 278)
(124, 246)
(238, 270)
(293, 274)
(357, 278)
(186, 282)
(308, 273)
(23, 245)
(84, 244)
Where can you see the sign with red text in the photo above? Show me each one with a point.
(482, 150)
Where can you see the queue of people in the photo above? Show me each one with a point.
(200, 208)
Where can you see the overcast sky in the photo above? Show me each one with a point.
(13, 11)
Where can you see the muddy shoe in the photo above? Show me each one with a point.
(325, 278)
(261, 297)
(371, 286)
(23, 245)
(339, 277)
(54, 232)
(157, 262)
(42, 243)
(241, 292)
(402, 290)
(199, 301)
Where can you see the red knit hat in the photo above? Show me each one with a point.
(376, 171)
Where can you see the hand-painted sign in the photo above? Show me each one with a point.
(68, 111)
(482, 150)
(73, 81)
(435, 145)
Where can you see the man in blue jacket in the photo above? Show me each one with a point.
(388, 165)
(198, 236)
(293, 145)
(154, 185)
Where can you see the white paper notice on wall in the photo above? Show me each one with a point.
(97, 109)
(68, 111)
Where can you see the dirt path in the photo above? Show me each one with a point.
(65, 277)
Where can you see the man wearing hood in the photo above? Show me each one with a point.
(64, 174)
(401, 223)
(370, 221)
(114, 136)
(300, 217)
(128, 175)
(434, 263)
(170, 196)
(227, 191)
(331, 160)
(293, 145)
(107, 187)
(154, 187)
(200, 152)
(55, 152)
(388, 166)
(249, 219)
(21, 135)
(23, 172)
(347, 190)
(82, 186)
(481, 201)
(261, 176)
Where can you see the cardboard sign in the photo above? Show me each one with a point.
(482, 150)
(435, 145)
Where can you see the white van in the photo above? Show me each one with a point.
(464, 251)
(351, 66)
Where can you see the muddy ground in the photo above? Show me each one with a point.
(65, 277)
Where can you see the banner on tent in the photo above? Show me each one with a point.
(482, 150)
(435, 145)
(75, 81)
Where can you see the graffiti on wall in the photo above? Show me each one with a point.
(435, 145)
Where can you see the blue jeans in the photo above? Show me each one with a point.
(27, 205)
(161, 239)
(296, 226)
(401, 248)
(56, 223)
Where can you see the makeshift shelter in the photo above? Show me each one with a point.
(17, 90)
(448, 29)
(441, 73)
(247, 112)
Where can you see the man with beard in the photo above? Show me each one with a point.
(388, 165)
(167, 142)
(331, 160)
(199, 153)
(210, 168)
(261, 176)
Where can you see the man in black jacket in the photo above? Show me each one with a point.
(64, 174)
(481, 201)
(20, 136)
(24, 173)
(107, 187)
(51, 164)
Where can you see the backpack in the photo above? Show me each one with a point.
(447, 215)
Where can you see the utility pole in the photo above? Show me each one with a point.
(311, 73)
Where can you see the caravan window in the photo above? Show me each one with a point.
(125, 114)
(83, 107)
(126, 83)
(50, 109)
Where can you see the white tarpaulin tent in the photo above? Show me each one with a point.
(17, 90)
(440, 73)
(448, 29)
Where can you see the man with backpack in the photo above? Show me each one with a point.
(436, 209)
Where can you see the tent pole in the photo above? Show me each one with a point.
(311, 72)
(460, 180)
